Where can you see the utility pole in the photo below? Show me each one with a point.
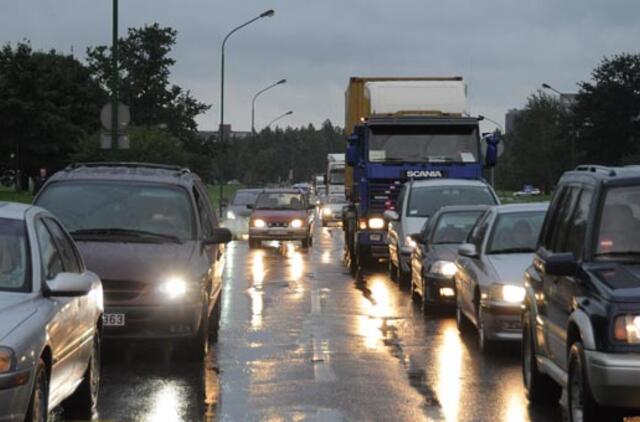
(115, 79)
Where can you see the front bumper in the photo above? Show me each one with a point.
(161, 322)
(373, 243)
(239, 226)
(434, 285)
(15, 394)
(614, 378)
(502, 321)
(279, 234)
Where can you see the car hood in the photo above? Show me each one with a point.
(413, 225)
(510, 268)
(622, 280)
(279, 215)
(15, 308)
(445, 252)
(136, 261)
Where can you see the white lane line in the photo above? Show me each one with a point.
(321, 359)
(315, 302)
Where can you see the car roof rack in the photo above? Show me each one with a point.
(594, 168)
(179, 169)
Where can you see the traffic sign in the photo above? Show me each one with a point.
(124, 116)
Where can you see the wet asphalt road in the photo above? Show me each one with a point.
(301, 340)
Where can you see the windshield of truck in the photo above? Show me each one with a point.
(425, 201)
(436, 143)
(515, 232)
(336, 177)
(280, 201)
(244, 197)
(454, 227)
(121, 209)
(336, 199)
(619, 225)
(14, 258)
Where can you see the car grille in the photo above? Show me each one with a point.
(282, 224)
(122, 290)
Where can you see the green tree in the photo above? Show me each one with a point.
(607, 112)
(48, 102)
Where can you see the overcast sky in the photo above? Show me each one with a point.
(503, 48)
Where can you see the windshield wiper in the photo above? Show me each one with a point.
(511, 250)
(124, 232)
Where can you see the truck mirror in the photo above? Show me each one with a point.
(352, 155)
(491, 156)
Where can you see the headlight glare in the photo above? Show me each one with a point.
(174, 287)
(409, 242)
(6, 360)
(259, 223)
(445, 268)
(626, 328)
(296, 224)
(513, 294)
(231, 215)
(376, 223)
(326, 211)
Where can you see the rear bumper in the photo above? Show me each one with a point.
(373, 243)
(160, 322)
(502, 322)
(614, 378)
(435, 286)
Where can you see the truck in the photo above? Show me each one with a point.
(335, 174)
(400, 129)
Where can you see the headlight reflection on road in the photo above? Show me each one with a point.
(378, 308)
(448, 384)
(167, 403)
(257, 275)
(516, 406)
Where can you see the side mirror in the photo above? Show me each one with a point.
(250, 206)
(220, 235)
(352, 152)
(468, 250)
(70, 285)
(391, 215)
(561, 264)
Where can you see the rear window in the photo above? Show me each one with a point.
(454, 227)
(244, 198)
(425, 201)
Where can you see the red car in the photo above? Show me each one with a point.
(281, 214)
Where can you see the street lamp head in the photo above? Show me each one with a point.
(480, 117)
(546, 86)
(288, 113)
(281, 81)
(268, 13)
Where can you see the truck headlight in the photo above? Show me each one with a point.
(174, 287)
(231, 215)
(376, 223)
(445, 268)
(627, 328)
(513, 294)
(296, 224)
(7, 360)
(326, 211)
(259, 223)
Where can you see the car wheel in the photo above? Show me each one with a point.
(539, 388)
(461, 320)
(82, 404)
(393, 275)
(198, 346)
(39, 403)
(404, 278)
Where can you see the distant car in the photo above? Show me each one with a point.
(281, 214)
(433, 260)
(331, 211)
(418, 201)
(150, 233)
(528, 190)
(237, 214)
(581, 316)
(490, 271)
(50, 319)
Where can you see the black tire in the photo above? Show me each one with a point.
(306, 243)
(424, 304)
(485, 345)
(39, 403)
(539, 388)
(462, 322)
(214, 320)
(83, 403)
(393, 271)
(404, 279)
(198, 346)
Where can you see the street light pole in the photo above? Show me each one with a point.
(253, 103)
(288, 113)
(481, 117)
(114, 79)
(221, 139)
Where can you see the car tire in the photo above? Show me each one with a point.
(83, 403)
(539, 388)
(393, 275)
(198, 346)
(306, 243)
(462, 322)
(39, 403)
(485, 345)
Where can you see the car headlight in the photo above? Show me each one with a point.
(174, 287)
(445, 268)
(326, 211)
(231, 215)
(513, 294)
(296, 224)
(376, 223)
(409, 242)
(627, 328)
(7, 360)
(259, 223)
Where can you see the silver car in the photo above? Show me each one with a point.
(331, 211)
(50, 319)
(490, 271)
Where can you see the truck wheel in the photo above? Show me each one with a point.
(539, 388)
(84, 401)
(39, 403)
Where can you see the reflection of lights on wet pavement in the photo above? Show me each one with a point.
(515, 406)
(326, 257)
(297, 265)
(448, 384)
(256, 293)
(377, 307)
(167, 403)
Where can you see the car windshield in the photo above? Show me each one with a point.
(619, 226)
(336, 177)
(515, 232)
(14, 256)
(425, 201)
(280, 201)
(104, 208)
(244, 197)
(436, 143)
(454, 227)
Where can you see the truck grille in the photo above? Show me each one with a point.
(381, 191)
(122, 290)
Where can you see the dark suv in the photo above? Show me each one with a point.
(581, 319)
(150, 233)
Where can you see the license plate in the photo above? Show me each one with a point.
(278, 232)
(375, 237)
(113, 320)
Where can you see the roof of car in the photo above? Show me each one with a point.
(605, 172)
(122, 171)
(530, 206)
(14, 210)
(449, 182)
(461, 208)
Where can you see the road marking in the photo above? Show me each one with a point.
(316, 308)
